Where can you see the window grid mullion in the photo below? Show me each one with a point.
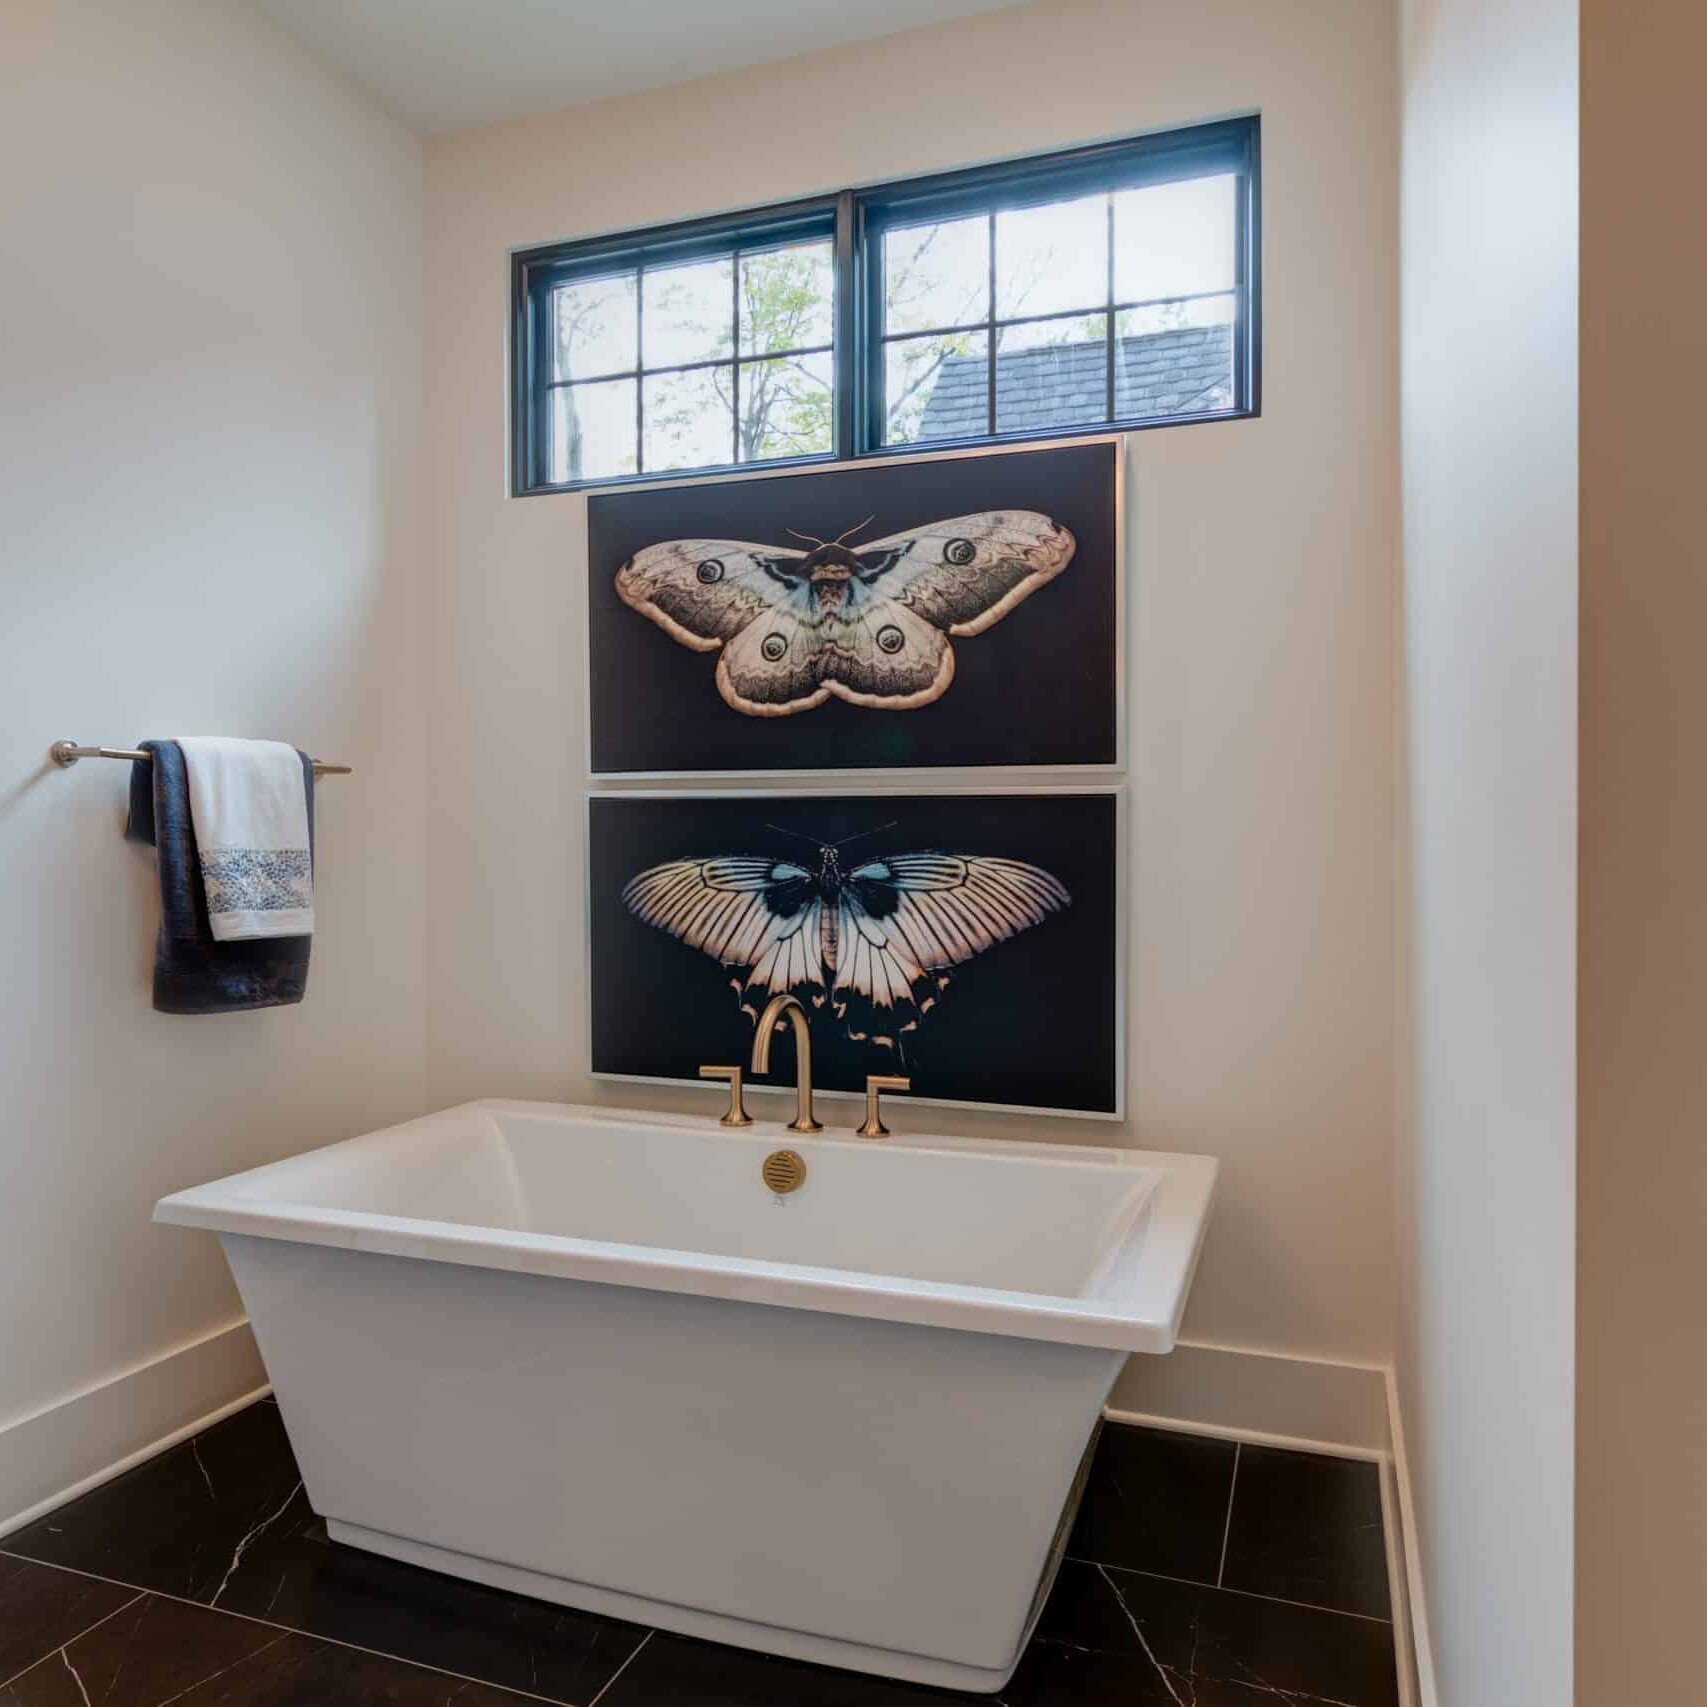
(1108, 322)
(692, 367)
(990, 336)
(1057, 314)
(640, 368)
(735, 355)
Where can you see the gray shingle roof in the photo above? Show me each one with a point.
(1184, 370)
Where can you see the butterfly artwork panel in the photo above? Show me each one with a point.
(931, 612)
(971, 940)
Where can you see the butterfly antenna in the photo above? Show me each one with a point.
(858, 527)
(876, 830)
(798, 834)
(809, 540)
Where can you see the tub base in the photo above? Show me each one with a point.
(688, 1621)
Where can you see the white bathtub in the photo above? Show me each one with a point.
(588, 1355)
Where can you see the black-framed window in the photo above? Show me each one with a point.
(1112, 286)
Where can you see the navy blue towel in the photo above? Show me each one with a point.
(194, 973)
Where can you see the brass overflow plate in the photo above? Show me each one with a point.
(783, 1171)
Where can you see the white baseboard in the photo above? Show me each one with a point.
(80, 1441)
(1308, 1404)
(1347, 1410)
(1416, 1651)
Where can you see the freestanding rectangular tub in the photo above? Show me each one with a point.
(591, 1356)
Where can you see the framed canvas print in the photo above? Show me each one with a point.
(927, 612)
(971, 940)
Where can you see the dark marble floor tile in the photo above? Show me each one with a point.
(677, 1671)
(1113, 1636)
(40, 1609)
(179, 1522)
(1155, 1501)
(1308, 1527)
(152, 1650)
(292, 1574)
(224, 1520)
(157, 1651)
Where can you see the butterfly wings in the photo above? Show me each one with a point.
(889, 927)
(869, 625)
(753, 913)
(913, 915)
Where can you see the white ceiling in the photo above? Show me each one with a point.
(444, 64)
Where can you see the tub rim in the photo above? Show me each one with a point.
(1149, 1269)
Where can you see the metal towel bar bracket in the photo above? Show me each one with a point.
(67, 753)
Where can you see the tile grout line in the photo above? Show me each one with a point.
(1227, 1527)
(1243, 1593)
(307, 1635)
(7, 1682)
(611, 1680)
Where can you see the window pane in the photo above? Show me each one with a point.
(595, 327)
(787, 407)
(592, 431)
(936, 388)
(1182, 369)
(1052, 373)
(688, 420)
(1168, 316)
(690, 313)
(1175, 239)
(1052, 258)
(788, 299)
(936, 275)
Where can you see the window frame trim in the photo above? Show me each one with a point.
(854, 220)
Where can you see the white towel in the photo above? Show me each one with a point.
(250, 811)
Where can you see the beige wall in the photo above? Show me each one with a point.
(1261, 556)
(1487, 808)
(1642, 1172)
(209, 396)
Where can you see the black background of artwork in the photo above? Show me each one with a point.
(1039, 688)
(1031, 1021)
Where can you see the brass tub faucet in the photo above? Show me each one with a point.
(775, 1008)
(875, 1085)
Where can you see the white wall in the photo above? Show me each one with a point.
(1488, 802)
(1261, 554)
(1642, 1139)
(209, 395)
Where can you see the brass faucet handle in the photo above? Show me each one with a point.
(737, 1114)
(875, 1085)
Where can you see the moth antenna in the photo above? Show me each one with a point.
(808, 537)
(858, 527)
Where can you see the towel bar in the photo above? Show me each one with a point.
(67, 753)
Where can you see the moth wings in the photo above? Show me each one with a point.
(886, 657)
(965, 575)
(703, 592)
(868, 624)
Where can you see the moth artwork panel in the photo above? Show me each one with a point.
(969, 940)
(935, 612)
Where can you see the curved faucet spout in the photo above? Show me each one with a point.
(775, 1008)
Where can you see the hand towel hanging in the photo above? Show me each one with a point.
(250, 810)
